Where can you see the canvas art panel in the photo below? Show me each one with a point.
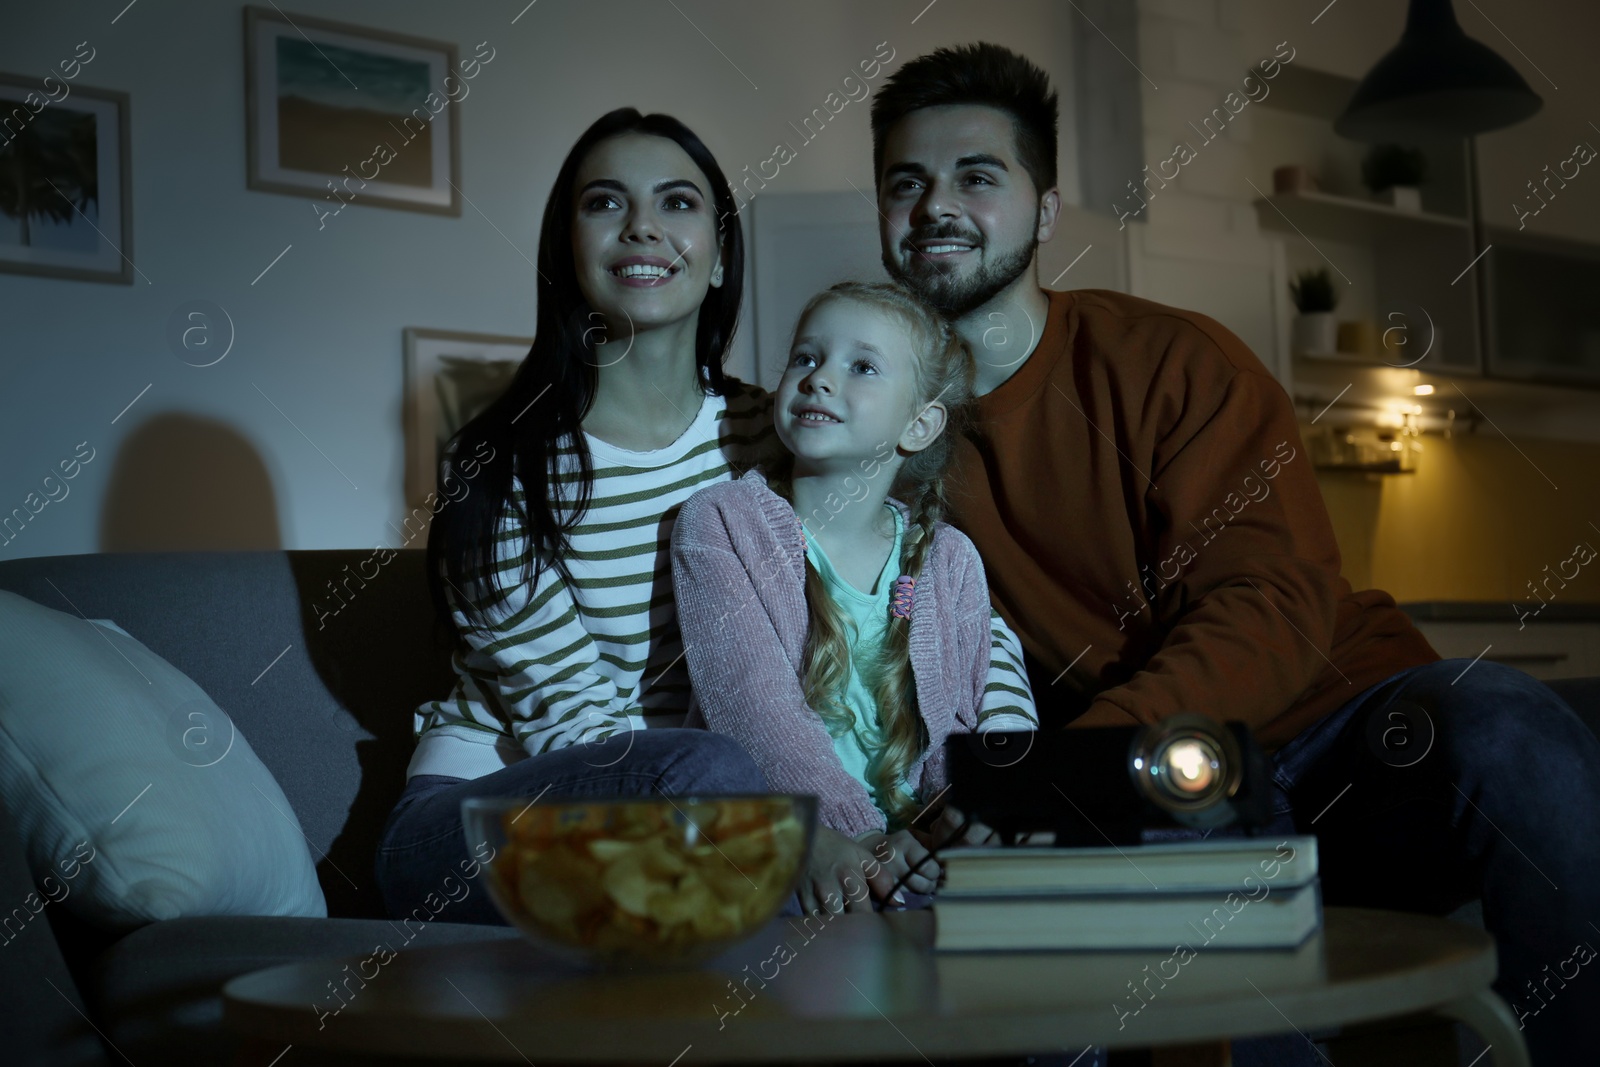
(66, 194)
(346, 114)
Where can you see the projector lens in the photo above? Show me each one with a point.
(1188, 766)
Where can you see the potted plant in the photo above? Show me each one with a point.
(1315, 330)
(1393, 173)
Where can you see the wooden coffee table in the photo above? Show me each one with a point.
(863, 988)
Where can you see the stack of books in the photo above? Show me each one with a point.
(1246, 893)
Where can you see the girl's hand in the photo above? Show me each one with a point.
(947, 822)
(843, 867)
(898, 853)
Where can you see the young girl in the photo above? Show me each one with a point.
(838, 633)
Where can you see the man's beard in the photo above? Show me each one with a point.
(954, 294)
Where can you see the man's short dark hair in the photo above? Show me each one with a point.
(982, 73)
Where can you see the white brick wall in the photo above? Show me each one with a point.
(1191, 50)
(1189, 211)
(1197, 243)
(1200, 12)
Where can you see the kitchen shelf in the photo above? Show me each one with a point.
(1347, 218)
(1391, 266)
(1369, 379)
(1355, 391)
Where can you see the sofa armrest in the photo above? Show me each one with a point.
(44, 1021)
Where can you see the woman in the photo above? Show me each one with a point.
(553, 562)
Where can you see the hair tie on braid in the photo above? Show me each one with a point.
(900, 602)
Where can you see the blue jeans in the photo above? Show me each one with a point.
(424, 842)
(1456, 781)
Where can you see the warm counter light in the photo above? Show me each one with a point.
(1423, 390)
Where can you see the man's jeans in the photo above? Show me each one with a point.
(423, 860)
(1458, 780)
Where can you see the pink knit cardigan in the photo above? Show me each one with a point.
(738, 572)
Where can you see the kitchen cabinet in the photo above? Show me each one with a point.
(1562, 642)
(1544, 319)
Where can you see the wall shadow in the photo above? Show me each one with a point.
(183, 483)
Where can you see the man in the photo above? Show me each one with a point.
(1151, 528)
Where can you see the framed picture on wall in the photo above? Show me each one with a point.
(66, 191)
(345, 114)
(450, 377)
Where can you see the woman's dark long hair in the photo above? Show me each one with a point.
(554, 388)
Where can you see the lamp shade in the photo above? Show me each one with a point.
(1437, 82)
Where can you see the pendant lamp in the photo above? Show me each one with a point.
(1436, 82)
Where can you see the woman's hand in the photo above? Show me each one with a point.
(841, 867)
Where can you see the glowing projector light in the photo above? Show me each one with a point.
(1188, 766)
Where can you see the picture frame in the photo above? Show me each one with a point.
(436, 362)
(324, 99)
(76, 151)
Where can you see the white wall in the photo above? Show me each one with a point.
(203, 459)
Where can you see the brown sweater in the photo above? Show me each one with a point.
(1147, 515)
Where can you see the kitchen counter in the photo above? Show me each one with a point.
(1499, 610)
(1561, 639)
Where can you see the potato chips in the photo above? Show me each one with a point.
(651, 880)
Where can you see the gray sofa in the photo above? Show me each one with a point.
(331, 720)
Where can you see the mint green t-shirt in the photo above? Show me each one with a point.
(867, 613)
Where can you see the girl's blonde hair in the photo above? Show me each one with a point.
(944, 372)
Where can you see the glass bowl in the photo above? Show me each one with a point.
(641, 881)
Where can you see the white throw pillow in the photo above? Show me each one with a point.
(136, 797)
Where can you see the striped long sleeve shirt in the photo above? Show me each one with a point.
(565, 663)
